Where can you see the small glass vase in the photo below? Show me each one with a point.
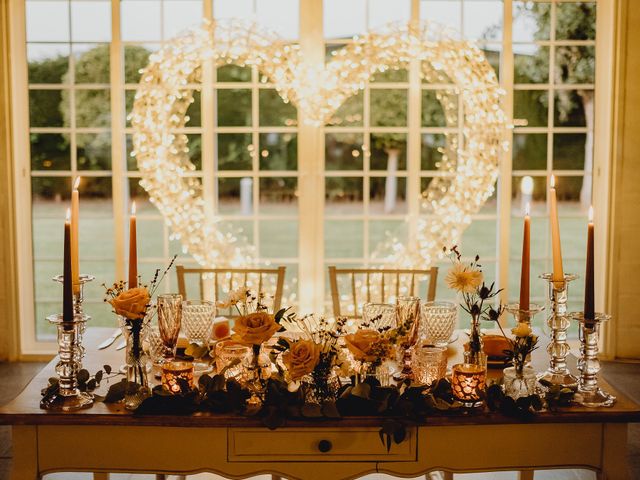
(136, 363)
(519, 383)
(474, 355)
(382, 373)
(321, 386)
(256, 370)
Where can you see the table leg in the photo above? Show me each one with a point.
(525, 475)
(614, 452)
(25, 453)
(101, 476)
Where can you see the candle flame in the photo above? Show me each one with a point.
(68, 216)
(527, 209)
(591, 214)
(76, 184)
(553, 181)
(133, 208)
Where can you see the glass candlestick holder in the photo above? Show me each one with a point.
(589, 394)
(558, 322)
(78, 298)
(524, 315)
(68, 397)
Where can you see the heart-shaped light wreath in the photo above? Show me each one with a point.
(467, 171)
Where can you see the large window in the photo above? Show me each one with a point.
(371, 161)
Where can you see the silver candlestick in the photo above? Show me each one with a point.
(524, 316)
(589, 394)
(558, 322)
(68, 398)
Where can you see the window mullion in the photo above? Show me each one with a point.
(504, 182)
(119, 186)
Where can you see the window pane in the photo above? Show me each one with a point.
(530, 108)
(91, 21)
(93, 108)
(234, 151)
(270, 15)
(576, 21)
(140, 20)
(568, 190)
(50, 151)
(388, 108)
(195, 149)
(91, 63)
(382, 12)
(381, 231)
(575, 64)
(530, 190)
(350, 112)
(234, 108)
(94, 151)
(479, 238)
(47, 21)
(274, 111)
(344, 19)
(483, 20)
(529, 151)
(437, 105)
(45, 106)
(569, 151)
(279, 195)
(388, 151)
(278, 151)
(232, 8)
(343, 238)
(279, 239)
(432, 149)
(234, 73)
(531, 64)
(531, 21)
(343, 195)
(343, 151)
(229, 196)
(180, 15)
(48, 62)
(391, 75)
(194, 111)
(573, 108)
(387, 195)
(136, 57)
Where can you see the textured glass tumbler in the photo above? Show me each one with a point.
(169, 322)
(154, 344)
(378, 315)
(230, 358)
(429, 364)
(438, 322)
(197, 324)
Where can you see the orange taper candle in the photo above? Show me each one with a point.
(558, 273)
(133, 249)
(526, 262)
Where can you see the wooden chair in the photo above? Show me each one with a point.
(223, 280)
(389, 282)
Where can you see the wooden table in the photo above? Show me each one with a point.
(106, 438)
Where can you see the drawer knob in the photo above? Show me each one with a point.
(325, 446)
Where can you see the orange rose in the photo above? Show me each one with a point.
(255, 328)
(301, 358)
(361, 344)
(131, 303)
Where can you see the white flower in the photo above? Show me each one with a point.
(464, 279)
(239, 295)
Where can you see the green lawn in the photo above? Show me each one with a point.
(343, 238)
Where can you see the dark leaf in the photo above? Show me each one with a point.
(116, 392)
(83, 376)
(107, 369)
(98, 376)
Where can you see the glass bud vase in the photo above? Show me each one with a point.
(136, 364)
(519, 382)
(474, 355)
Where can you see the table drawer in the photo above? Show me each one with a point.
(315, 444)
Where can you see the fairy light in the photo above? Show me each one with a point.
(468, 167)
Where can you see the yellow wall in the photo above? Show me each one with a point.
(624, 260)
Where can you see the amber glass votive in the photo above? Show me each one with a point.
(468, 383)
(230, 356)
(177, 377)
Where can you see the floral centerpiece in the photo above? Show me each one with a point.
(468, 280)
(313, 357)
(253, 327)
(134, 309)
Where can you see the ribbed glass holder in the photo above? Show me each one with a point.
(589, 394)
(524, 316)
(558, 322)
(68, 398)
(78, 298)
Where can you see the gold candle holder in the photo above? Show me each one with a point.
(177, 377)
(468, 383)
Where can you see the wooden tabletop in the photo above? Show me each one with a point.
(25, 408)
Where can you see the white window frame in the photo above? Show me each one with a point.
(311, 173)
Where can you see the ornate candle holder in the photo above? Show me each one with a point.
(524, 316)
(558, 323)
(78, 298)
(589, 394)
(68, 398)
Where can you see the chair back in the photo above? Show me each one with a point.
(216, 283)
(352, 287)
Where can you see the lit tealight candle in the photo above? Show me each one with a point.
(177, 377)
